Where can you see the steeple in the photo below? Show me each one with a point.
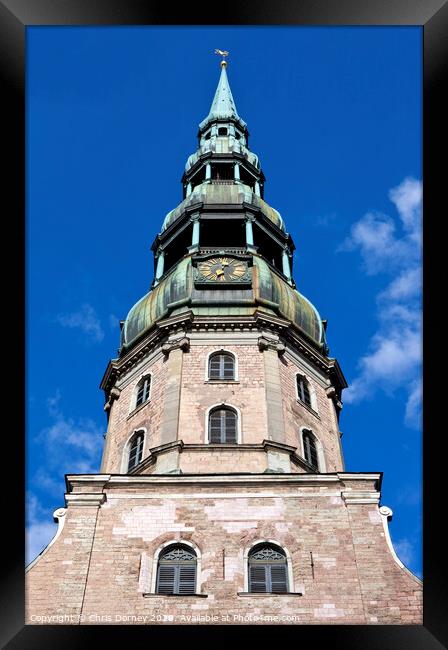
(223, 106)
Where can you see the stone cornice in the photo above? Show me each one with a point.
(300, 480)
(85, 499)
(357, 497)
(189, 321)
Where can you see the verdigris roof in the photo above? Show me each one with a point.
(235, 193)
(223, 105)
(175, 291)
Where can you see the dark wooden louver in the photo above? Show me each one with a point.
(176, 572)
(221, 366)
(223, 426)
(267, 571)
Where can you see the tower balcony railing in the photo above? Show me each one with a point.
(215, 250)
(222, 181)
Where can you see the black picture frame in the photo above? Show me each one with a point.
(15, 16)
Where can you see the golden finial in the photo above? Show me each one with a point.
(222, 53)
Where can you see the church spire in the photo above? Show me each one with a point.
(223, 106)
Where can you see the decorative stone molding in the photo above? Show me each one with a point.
(331, 391)
(270, 344)
(85, 499)
(352, 497)
(182, 343)
(59, 518)
(386, 516)
(113, 395)
(331, 394)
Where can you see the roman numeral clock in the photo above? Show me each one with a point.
(222, 270)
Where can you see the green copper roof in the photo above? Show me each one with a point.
(223, 105)
(176, 290)
(234, 194)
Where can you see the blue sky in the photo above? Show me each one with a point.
(335, 117)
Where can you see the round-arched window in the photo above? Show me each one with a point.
(176, 570)
(268, 570)
(223, 425)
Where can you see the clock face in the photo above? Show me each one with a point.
(222, 269)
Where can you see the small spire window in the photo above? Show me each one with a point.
(135, 450)
(268, 570)
(222, 131)
(221, 366)
(223, 423)
(303, 390)
(176, 571)
(143, 390)
(310, 449)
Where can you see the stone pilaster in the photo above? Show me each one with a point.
(174, 351)
(271, 349)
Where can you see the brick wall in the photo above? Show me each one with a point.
(356, 579)
(296, 415)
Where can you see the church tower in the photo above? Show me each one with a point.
(222, 495)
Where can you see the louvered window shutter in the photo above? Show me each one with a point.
(257, 578)
(176, 572)
(166, 579)
(268, 570)
(187, 579)
(279, 584)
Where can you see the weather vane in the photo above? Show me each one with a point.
(222, 53)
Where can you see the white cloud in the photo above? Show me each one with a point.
(404, 550)
(406, 285)
(407, 198)
(39, 530)
(70, 446)
(393, 359)
(86, 320)
(78, 442)
(114, 322)
(413, 412)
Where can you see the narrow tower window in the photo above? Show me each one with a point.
(135, 450)
(176, 571)
(268, 570)
(221, 366)
(143, 390)
(303, 390)
(222, 131)
(223, 426)
(310, 449)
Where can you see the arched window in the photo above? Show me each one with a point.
(135, 449)
(303, 390)
(222, 425)
(176, 570)
(310, 449)
(267, 570)
(221, 366)
(143, 389)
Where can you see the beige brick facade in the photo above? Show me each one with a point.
(101, 567)
(249, 394)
